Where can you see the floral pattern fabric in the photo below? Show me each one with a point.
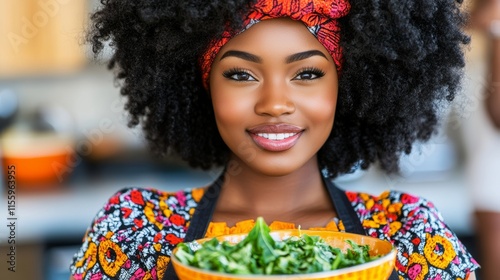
(133, 235)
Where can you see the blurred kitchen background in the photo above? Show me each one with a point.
(63, 126)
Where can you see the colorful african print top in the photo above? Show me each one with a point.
(133, 235)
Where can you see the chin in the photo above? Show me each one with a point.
(276, 170)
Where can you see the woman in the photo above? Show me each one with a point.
(286, 95)
(481, 131)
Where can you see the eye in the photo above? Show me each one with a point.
(309, 74)
(238, 75)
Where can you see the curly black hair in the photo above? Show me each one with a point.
(402, 61)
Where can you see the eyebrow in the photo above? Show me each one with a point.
(303, 55)
(289, 59)
(243, 55)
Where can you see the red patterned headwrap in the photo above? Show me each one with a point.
(320, 17)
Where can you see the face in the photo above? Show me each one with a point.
(274, 92)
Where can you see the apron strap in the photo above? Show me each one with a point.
(347, 214)
(200, 220)
(344, 208)
(205, 209)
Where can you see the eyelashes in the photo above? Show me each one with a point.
(238, 74)
(309, 73)
(304, 74)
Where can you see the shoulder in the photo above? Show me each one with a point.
(427, 247)
(144, 198)
(396, 205)
(137, 208)
(135, 232)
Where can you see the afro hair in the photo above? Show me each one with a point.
(403, 61)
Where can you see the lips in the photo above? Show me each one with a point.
(275, 137)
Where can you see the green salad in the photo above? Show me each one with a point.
(259, 253)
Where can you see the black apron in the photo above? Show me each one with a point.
(205, 209)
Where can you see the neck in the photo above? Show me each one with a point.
(247, 194)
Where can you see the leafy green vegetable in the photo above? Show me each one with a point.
(259, 253)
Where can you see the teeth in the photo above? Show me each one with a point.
(276, 136)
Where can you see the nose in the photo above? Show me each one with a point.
(274, 100)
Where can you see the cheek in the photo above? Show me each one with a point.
(321, 110)
(230, 110)
(329, 107)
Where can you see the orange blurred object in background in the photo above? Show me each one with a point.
(41, 160)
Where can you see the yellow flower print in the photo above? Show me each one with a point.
(385, 203)
(150, 215)
(197, 194)
(439, 251)
(111, 257)
(369, 204)
(395, 208)
(394, 227)
(161, 266)
(370, 224)
(166, 210)
(417, 267)
(380, 218)
(162, 195)
(90, 257)
(384, 195)
(157, 247)
(364, 196)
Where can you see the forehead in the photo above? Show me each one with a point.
(283, 35)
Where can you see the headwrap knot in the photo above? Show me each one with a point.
(320, 17)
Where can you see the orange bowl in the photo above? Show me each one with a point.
(38, 170)
(40, 160)
(378, 269)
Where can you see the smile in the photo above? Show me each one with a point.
(276, 142)
(276, 136)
